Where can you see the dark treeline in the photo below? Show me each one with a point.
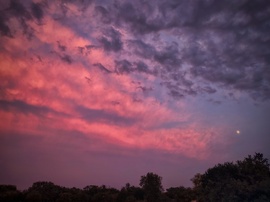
(246, 180)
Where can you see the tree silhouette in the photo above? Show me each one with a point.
(180, 194)
(152, 186)
(101, 194)
(247, 180)
(130, 193)
(47, 191)
(9, 193)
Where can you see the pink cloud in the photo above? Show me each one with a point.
(35, 73)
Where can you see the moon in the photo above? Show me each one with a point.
(238, 132)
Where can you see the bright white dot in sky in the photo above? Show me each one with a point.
(238, 132)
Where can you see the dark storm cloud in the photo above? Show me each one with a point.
(138, 18)
(102, 68)
(37, 11)
(4, 28)
(111, 40)
(240, 58)
(178, 91)
(103, 14)
(90, 47)
(85, 50)
(82, 4)
(142, 49)
(227, 42)
(66, 58)
(142, 67)
(224, 43)
(168, 56)
(64, 5)
(100, 115)
(123, 66)
(28, 31)
(61, 47)
(209, 89)
(19, 10)
(126, 67)
(22, 107)
(176, 94)
(180, 79)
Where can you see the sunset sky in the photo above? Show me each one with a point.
(102, 92)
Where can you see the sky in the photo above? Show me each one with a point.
(102, 92)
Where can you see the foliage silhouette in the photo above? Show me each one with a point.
(152, 186)
(246, 180)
